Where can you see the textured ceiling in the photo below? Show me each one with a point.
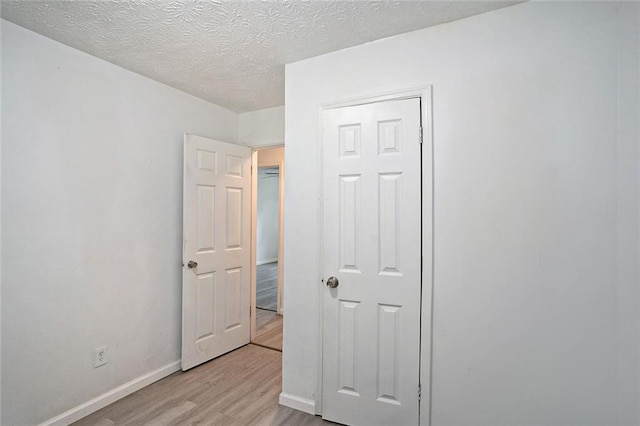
(231, 53)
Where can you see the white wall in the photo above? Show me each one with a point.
(536, 210)
(1, 224)
(267, 217)
(264, 127)
(91, 221)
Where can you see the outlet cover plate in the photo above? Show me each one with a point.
(100, 356)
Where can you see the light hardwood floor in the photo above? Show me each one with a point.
(267, 286)
(239, 388)
(268, 329)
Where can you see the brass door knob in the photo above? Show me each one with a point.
(192, 264)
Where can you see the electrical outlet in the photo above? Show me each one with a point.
(100, 356)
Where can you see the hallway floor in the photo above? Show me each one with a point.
(268, 329)
(239, 388)
(267, 286)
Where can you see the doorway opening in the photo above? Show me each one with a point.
(267, 282)
(267, 239)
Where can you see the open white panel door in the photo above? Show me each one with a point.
(372, 255)
(216, 251)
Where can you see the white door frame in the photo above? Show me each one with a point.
(254, 229)
(425, 95)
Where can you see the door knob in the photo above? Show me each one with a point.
(332, 282)
(192, 264)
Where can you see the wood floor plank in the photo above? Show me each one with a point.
(263, 317)
(105, 422)
(271, 339)
(239, 388)
(174, 414)
(269, 332)
(267, 286)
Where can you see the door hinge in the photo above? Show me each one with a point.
(421, 138)
(419, 391)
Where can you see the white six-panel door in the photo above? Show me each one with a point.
(372, 245)
(216, 232)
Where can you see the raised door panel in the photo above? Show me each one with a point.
(388, 354)
(389, 222)
(349, 223)
(205, 218)
(233, 297)
(347, 359)
(234, 218)
(205, 315)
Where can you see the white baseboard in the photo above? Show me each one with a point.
(262, 262)
(111, 396)
(298, 403)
